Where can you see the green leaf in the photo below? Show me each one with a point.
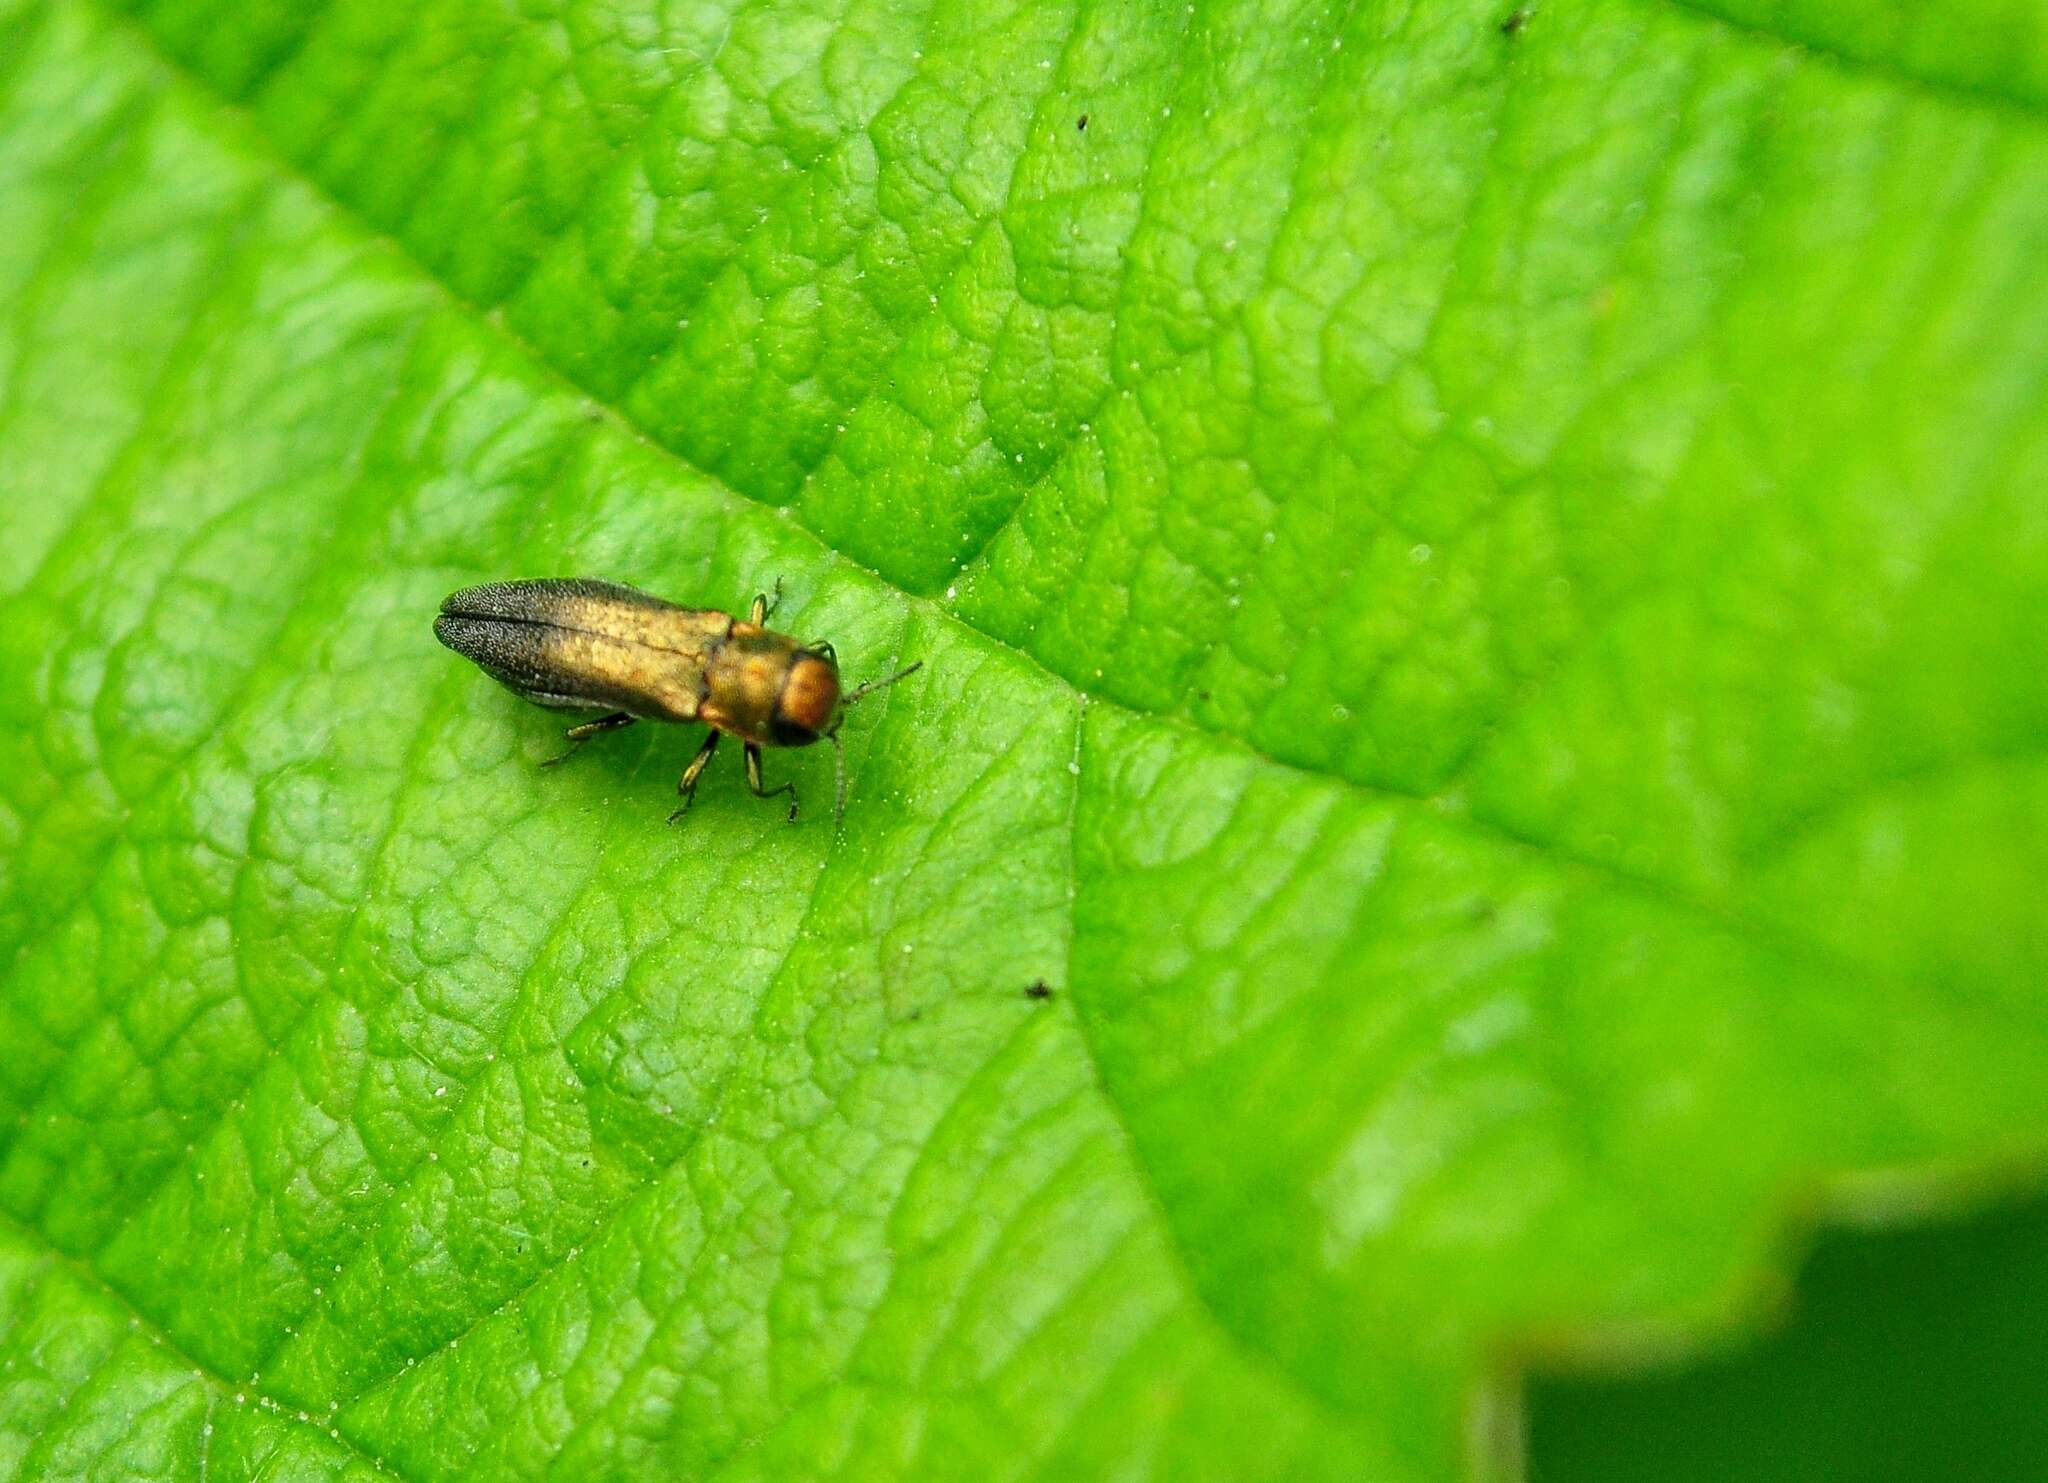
(1480, 590)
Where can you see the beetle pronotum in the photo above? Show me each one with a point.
(572, 643)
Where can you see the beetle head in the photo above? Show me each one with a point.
(808, 706)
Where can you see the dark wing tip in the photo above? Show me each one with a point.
(482, 599)
(465, 600)
(523, 597)
(456, 632)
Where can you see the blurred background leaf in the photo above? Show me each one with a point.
(1906, 1355)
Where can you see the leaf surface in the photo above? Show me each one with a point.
(1480, 597)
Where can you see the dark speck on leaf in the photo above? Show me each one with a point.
(1038, 988)
(1081, 122)
(1513, 25)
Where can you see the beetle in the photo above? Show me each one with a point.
(576, 643)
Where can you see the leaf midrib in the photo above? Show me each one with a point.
(1884, 69)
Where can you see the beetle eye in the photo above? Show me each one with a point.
(825, 651)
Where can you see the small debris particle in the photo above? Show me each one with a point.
(1516, 20)
(1081, 122)
(1038, 988)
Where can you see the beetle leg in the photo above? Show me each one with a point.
(765, 606)
(754, 781)
(687, 784)
(578, 735)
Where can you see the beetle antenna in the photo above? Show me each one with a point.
(838, 777)
(873, 685)
(839, 747)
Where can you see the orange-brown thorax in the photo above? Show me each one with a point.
(764, 687)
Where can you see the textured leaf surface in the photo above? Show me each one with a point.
(1481, 605)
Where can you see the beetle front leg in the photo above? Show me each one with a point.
(764, 606)
(754, 781)
(687, 784)
(578, 735)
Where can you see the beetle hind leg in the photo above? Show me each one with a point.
(754, 781)
(578, 735)
(687, 783)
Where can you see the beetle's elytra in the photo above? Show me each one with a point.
(571, 643)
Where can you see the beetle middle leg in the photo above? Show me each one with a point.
(764, 605)
(687, 784)
(754, 781)
(578, 735)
